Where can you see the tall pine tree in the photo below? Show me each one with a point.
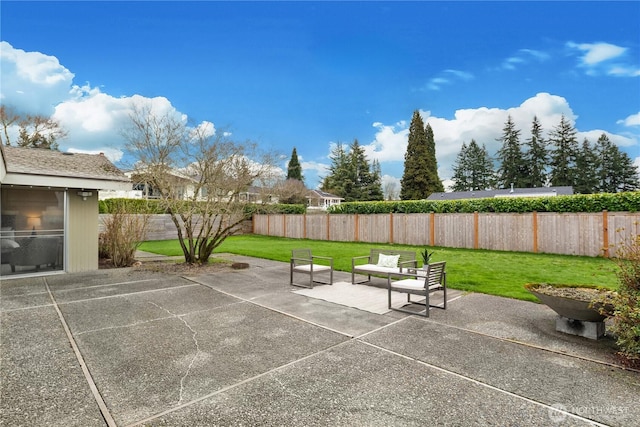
(352, 177)
(536, 157)
(338, 180)
(434, 185)
(420, 177)
(614, 169)
(473, 169)
(586, 181)
(564, 146)
(294, 169)
(512, 167)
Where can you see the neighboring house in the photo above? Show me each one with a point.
(508, 192)
(185, 187)
(322, 200)
(49, 209)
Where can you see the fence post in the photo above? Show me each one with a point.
(432, 229)
(284, 225)
(356, 220)
(475, 230)
(390, 227)
(304, 226)
(605, 233)
(268, 224)
(328, 231)
(535, 231)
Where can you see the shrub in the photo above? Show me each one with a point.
(123, 234)
(626, 304)
(618, 202)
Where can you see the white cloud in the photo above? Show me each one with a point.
(35, 83)
(632, 120)
(95, 120)
(605, 58)
(32, 82)
(448, 77)
(595, 53)
(524, 56)
(619, 140)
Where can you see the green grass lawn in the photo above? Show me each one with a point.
(490, 272)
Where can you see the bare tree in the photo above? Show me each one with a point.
(391, 190)
(291, 191)
(34, 131)
(199, 175)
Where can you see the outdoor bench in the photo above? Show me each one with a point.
(382, 262)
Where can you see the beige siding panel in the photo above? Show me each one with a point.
(505, 232)
(82, 238)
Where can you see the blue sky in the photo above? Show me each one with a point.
(313, 74)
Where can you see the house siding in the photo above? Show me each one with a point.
(82, 239)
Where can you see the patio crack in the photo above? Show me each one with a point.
(195, 342)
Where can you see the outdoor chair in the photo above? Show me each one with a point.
(420, 282)
(302, 261)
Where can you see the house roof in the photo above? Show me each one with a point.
(29, 166)
(323, 195)
(506, 192)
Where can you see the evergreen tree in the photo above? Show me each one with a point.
(473, 169)
(614, 169)
(512, 167)
(420, 177)
(563, 153)
(294, 169)
(536, 157)
(338, 180)
(375, 189)
(434, 184)
(626, 173)
(365, 186)
(351, 177)
(586, 181)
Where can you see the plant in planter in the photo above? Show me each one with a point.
(426, 256)
(586, 303)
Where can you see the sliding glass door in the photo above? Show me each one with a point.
(32, 225)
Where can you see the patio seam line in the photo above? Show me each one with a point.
(272, 309)
(104, 411)
(482, 384)
(122, 295)
(237, 384)
(534, 346)
(105, 285)
(24, 308)
(128, 325)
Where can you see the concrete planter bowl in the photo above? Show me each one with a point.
(572, 301)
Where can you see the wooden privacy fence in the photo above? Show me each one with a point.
(590, 234)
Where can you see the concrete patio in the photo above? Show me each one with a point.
(130, 348)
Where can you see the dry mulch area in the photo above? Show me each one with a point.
(178, 268)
